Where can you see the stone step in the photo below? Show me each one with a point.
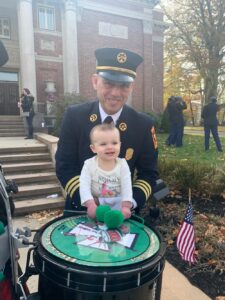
(24, 167)
(33, 177)
(17, 129)
(15, 121)
(10, 118)
(27, 157)
(43, 190)
(10, 134)
(24, 149)
(11, 126)
(37, 204)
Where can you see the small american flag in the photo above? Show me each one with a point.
(186, 237)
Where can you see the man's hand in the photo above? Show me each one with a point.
(126, 209)
(91, 208)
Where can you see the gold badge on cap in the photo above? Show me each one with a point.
(123, 126)
(93, 118)
(122, 57)
(129, 153)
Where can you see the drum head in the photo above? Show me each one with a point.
(83, 241)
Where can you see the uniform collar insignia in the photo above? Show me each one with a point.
(123, 126)
(93, 117)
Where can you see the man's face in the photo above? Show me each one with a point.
(112, 95)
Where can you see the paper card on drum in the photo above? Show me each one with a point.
(81, 229)
(94, 243)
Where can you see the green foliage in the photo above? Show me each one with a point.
(165, 123)
(157, 118)
(192, 167)
(196, 44)
(59, 107)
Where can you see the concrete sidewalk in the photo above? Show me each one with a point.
(199, 130)
(174, 287)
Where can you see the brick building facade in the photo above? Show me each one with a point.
(51, 47)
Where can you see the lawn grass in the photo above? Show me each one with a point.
(192, 150)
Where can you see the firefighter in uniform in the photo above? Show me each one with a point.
(113, 82)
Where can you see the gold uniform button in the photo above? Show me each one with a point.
(93, 118)
(123, 126)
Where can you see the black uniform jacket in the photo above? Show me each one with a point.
(209, 113)
(138, 147)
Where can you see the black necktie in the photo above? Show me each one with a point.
(108, 120)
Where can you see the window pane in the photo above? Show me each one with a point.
(7, 76)
(50, 22)
(4, 28)
(46, 18)
(41, 18)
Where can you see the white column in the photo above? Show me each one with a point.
(71, 76)
(26, 40)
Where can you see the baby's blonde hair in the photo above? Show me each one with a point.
(102, 127)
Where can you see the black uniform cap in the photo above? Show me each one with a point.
(213, 99)
(117, 64)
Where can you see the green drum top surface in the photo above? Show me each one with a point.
(81, 240)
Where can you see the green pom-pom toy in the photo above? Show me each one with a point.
(101, 210)
(113, 219)
(2, 228)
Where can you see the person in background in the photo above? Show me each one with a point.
(171, 137)
(209, 116)
(113, 83)
(176, 106)
(105, 178)
(26, 103)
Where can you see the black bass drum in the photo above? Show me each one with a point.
(78, 258)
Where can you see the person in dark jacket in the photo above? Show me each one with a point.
(209, 115)
(176, 105)
(27, 106)
(113, 82)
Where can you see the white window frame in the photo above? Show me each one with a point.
(46, 8)
(2, 35)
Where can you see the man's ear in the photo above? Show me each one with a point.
(94, 80)
(92, 148)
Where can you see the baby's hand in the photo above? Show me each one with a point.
(126, 209)
(91, 208)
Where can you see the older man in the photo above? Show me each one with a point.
(114, 83)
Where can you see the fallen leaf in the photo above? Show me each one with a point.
(212, 262)
(170, 242)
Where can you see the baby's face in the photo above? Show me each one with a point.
(106, 144)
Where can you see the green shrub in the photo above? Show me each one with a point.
(156, 119)
(59, 107)
(201, 179)
(165, 123)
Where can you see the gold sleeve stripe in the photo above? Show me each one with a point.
(143, 190)
(71, 183)
(144, 186)
(75, 183)
(74, 189)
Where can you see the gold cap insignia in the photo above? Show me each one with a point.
(123, 126)
(129, 153)
(93, 118)
(122, 57)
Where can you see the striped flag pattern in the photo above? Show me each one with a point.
(186, 237)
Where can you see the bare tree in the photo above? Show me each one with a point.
(199, 28)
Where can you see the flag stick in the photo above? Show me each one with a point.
(189, 195)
